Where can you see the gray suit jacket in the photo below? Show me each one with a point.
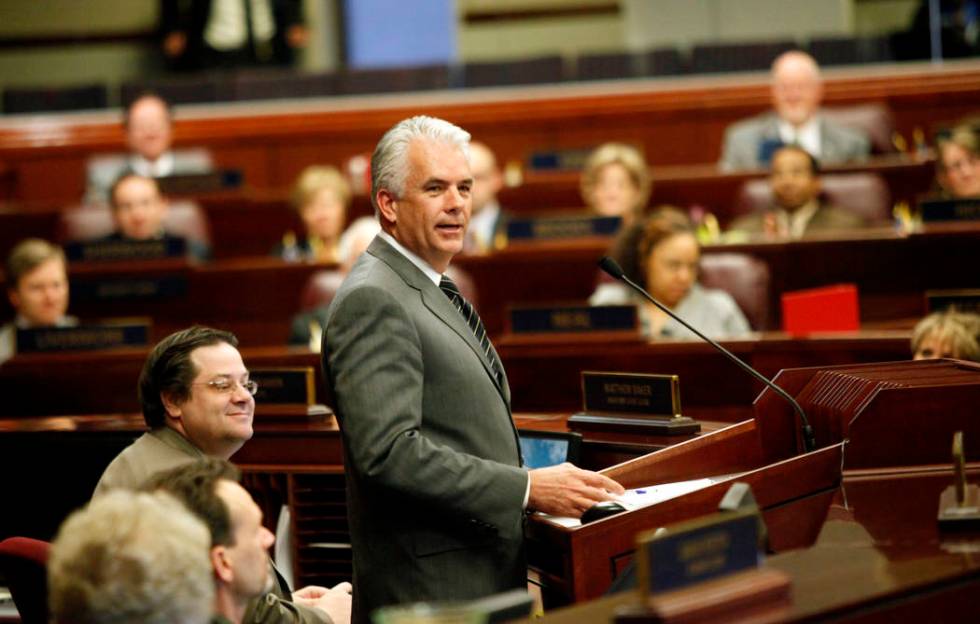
(103, 170)
(434, 483)
(838, 144)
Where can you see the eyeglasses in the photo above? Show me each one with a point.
(226, 385)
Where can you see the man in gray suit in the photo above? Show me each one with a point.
(796, 93)
(436, 492)
(149, 130)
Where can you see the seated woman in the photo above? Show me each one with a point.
(37, 286)
(948, 334)
(958, 165)
(666, 262)
(616, 182)
(321, 198)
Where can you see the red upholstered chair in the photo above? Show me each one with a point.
(874, 120)
(865, 194)
(23, 563)
(745, 278)
(185, 219)
(322, 286)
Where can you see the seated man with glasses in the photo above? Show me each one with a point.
(198, 402)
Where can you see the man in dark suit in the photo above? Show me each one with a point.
(436, 492)
(223, 34)
(488, 223)
(794, 120)
(797, 209)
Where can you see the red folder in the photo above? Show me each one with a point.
(829, 308)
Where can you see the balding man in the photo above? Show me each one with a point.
(149, 132)
(796, 93)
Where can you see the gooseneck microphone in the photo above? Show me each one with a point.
(612, 267)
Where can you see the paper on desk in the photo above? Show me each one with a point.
(645, 496)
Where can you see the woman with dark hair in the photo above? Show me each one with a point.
(665, 258)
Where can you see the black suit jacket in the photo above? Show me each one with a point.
(191, 18)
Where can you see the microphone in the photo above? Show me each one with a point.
(612, 267)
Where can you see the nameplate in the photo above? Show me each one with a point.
(112, 288)
(963, 300)
(559, 160)
(193, 183)
(574, 319)
(126, 250)
(696, 551)
(966, 209)
(547, 228)
(83, 337)
(652, 396)
(285, 386)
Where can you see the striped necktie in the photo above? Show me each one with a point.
(472, 319)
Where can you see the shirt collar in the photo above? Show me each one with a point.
(434, 276)
(159, 168)
(806, 136)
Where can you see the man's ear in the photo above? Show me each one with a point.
(172, 407)
(221, 565)
(387, 205)
(14, 298)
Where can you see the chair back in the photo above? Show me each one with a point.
(745, 278)
(23, 563)
(864, 194)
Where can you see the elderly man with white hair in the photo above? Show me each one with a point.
(796, 91)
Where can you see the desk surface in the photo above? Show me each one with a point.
(878, 556)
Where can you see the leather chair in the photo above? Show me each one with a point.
(185, 219)
(733, 57)
(548, 69)
(23, 563)
(874, 120)
(745, 278)
(865, 194)
(323, 285)
(42, 100)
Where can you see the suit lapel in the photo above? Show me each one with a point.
(439, 304)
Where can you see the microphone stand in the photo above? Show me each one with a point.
(611, 267)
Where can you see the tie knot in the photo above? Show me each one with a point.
(449, 287)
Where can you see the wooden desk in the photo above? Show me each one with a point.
(547, 376)
(677, 121)
(543, 378)
(254, 297)
(877, 557)
(892, 272)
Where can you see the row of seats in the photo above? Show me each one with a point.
(272, 84)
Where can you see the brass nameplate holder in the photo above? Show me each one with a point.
(83, 337)
(553, 228)
(582, 323)
(287, 392)
(126, 250)
(640, 403)
(964, 300)
(704, 570)
(959, 504)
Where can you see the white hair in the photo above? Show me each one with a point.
(389, 163)
(131, 557)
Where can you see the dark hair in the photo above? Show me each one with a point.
(195, 485)
(169, 369)
(814, 163)
(144, 95)
(125, 175)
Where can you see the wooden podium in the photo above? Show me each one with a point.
(866, 417)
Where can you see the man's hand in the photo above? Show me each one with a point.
(565, 490)
(335, 601)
